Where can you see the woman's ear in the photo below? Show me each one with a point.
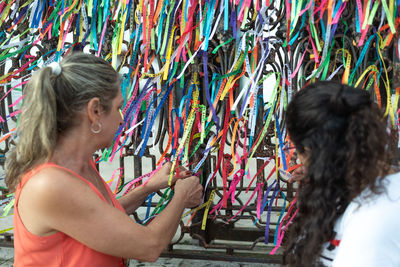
(94, 109)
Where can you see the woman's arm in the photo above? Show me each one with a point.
(83, 215)
(158, 181)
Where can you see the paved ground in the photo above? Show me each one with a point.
(199, 263)
(6, 260)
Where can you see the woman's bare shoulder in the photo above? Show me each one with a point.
(53, 179)
(47, 194)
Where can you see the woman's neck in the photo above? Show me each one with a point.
(73, 150)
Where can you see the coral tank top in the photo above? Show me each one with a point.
(57, 249)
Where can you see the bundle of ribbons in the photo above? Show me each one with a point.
(220, 73)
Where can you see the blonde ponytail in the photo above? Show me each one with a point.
(36, 131)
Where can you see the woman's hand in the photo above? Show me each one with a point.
(297, 175)
(160, 179)
(190, 190)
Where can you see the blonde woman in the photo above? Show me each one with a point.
(65, 215)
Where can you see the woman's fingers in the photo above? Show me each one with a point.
(182, 172)
(297, 175)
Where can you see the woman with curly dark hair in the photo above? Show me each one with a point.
(348, 205)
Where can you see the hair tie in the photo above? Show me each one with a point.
(55, 68)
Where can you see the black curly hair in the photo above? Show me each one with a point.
(341, 132)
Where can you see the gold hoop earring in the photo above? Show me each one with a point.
(98, 130)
